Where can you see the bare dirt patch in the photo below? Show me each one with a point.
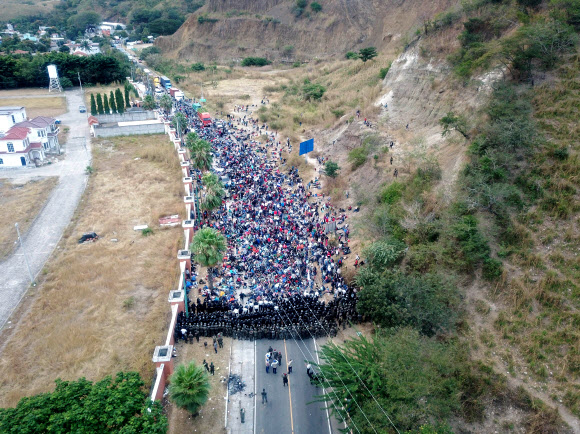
(102, 307)
(20, 203)
(210, 418)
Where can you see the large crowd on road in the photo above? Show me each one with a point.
(282, 274)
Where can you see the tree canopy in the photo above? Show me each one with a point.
(112, 405)
(30, 71)
(208, 245)
(368, 53)
(414, 379)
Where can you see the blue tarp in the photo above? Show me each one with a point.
(306, 147)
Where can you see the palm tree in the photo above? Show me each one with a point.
(200, 152)
(208, 246)
(214, 192)
(189, 387)
(211, 201)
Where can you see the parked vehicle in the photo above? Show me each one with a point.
(205, 119)
(82, 109)
(165, 82)
(176, 93)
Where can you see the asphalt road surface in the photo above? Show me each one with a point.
(289, 409)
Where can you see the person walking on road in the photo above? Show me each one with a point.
(290, 366)
(285, 379)
(211, 368)
(264, 396)
(215, 346)
(268, 367)
(274, 365)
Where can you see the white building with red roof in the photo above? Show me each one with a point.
(23, 141)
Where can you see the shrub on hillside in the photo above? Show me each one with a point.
(255, 61)
(313, 91)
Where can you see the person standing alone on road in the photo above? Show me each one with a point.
(290, 366)
(264, 396)
(285, 379)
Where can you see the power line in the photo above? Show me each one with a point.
(353, 370)
(337, 376)
(306, 358)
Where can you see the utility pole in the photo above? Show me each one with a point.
(80, 84)
(25, 256)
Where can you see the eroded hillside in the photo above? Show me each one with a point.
(279, 29)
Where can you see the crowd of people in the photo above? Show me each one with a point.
(281, 276)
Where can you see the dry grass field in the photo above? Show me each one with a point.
(36, 106)
(102, 307)
(20, 203)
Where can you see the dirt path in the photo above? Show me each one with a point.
(49, 226)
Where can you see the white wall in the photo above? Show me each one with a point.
(13, 160)
(6, 121)
(19, 145)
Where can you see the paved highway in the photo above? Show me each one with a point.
(288, 410)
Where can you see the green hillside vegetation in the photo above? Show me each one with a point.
(512, 228)
(145, 17)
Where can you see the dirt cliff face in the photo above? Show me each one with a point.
(273, 28)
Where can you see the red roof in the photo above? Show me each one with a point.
(20, 52)
(80, 53)
(16, 133)
(93, 120)
(36, 145)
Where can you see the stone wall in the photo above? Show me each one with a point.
(141, 115)
(129, 130)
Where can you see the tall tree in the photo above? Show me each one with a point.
(106, 104)
(112, 102)
(208, 245)
(100, 106)
(368, 53)
(93, 105)
(189, 387)
(179, 122)
(119, 101)
(149, 102)
(200, 153)
(127, 98)
(165, 103)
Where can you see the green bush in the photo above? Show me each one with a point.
(198, 67)
(473, 247)
(391, 193)
(384, 254)
(315, 6)
(255, 61)
(205, 19)
(313, 91)
(351, 55)
(384, 71)
(338, 113)
(429, 303)
(492, 269)
(357, 157)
